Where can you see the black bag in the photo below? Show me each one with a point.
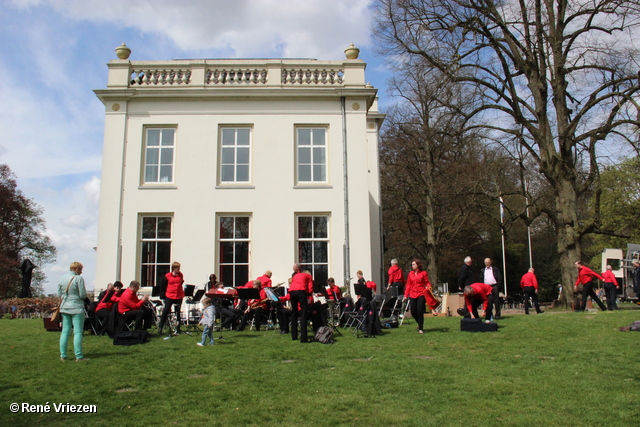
(391, 322)
(130, 338)
(324, 335)
(477, 325)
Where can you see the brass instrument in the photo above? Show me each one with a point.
(256, 304)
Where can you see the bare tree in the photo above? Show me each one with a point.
(558, 75)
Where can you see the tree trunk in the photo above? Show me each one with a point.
(569, 249)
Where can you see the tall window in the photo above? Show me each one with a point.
(235, 155)
(155, 253)
(312, 154)
(158, 159)
(234, 250)
(313, 246)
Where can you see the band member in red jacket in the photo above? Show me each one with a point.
(529, 285)
(104, 307)
(476, 294)
(416, 291)
(265, 279)
(396, 277)
(301, 288)
(585, 278)
(255, 308)
(610, 286)
(173, 295)
(131, 307)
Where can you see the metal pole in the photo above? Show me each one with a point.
(504, 256)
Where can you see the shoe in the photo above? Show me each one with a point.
(541, 312)
(420, 331)
(199, 344)
(63, 359)
(82, 359)
(283, 332)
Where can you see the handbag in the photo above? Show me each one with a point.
(57, 316)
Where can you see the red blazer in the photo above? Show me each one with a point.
(261, 303)
(609, 277)
(417, 284)
(372, 285)
(115, 297)
(265, 280)
(129, 301)
(529, 279)
(395, 274)
(302, 282)
(174, 286)
(481, 292)
(585, 275)
(334, 289)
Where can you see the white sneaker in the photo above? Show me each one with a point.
(199, 344)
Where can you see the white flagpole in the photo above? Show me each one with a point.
(504, 257)
(526, 199)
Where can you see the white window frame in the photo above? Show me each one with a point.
(314, 238)
(160, 161)
(159, 268)
(313, 158)
(224, 164)
(222, 266)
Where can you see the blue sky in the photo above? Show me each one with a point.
(54, 54)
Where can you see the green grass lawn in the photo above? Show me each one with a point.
(555, 369)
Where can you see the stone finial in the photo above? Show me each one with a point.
(123, 51)
(352, 52)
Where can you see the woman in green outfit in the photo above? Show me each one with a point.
(71, 289)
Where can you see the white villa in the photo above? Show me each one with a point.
(235, 167)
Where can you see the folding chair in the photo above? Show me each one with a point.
(403, 312)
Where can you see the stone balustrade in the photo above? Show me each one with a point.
(235, 73)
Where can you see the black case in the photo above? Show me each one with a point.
(477, 325)
(130, 338)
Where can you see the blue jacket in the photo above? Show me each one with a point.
(73, 300)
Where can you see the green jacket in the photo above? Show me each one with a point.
(73, 301)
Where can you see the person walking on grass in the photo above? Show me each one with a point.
(585, 278)
(610, 287)
(416, 291)
(529, 285)
(71, 289)
(208, 320)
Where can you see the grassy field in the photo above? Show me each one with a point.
(555, 369)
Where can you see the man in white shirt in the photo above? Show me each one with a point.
(491, 276)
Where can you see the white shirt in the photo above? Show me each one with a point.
(488, 276)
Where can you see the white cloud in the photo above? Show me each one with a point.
(243, 28)
(92, 191)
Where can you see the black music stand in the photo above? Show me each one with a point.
(193, 324)
(248, 293)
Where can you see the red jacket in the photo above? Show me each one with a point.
(372, 285)
(585, 275)
(265, 280)
(129, 301)
(302, 282)
(395, 274)
(113, 298)
(529, 279)
(417, 284)
(609, 277)
(174, 286)
(481, 292)
(334, 289)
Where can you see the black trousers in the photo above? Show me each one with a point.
(495, 306)
(418, 309)
(143, 314)
(168, 302)
(476, 302)
(299, 297)
(256, 314)
(587, 291)
(284, 317)
(228, 316)
(103, 315)
(530, 292)
(612, 295)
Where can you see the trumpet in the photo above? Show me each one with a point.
(258, 303)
